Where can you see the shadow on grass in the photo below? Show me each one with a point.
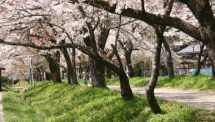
(40, 88)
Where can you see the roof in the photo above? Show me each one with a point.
(191, 49)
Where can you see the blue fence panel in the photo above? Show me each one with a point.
(207, 71)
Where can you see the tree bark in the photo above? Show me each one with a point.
(169, 62)
(199, 63)
(97, 69)
(129, 66)
(213, 72)
(126, 91)
(154, 75)
(211, 55)
(108, 72)
(98, 74)
(107, 69)
(70, 68)
(54, 66)
(80, 70)
(95, 55)
(74, 77)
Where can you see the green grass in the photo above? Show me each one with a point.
(16, 109)
(23, 84)
(66, 103)
(188, 82)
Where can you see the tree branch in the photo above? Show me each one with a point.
(149, 18)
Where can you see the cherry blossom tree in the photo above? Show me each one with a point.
(44, 30)
(201, 10)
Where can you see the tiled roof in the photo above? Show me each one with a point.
(191, 49)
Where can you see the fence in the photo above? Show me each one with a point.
(187, 71)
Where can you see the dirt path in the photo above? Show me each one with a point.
(198, 99)
(1, 113)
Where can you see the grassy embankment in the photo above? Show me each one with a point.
(16, 109)
(187, 82)
(67, 103)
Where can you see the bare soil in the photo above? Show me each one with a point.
(194, 98)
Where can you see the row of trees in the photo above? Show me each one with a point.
(103, 30)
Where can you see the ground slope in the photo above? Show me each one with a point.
(66, 103)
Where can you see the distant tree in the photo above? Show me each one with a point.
(199, 63)
(127, 48)
(54, 65)
(71, 72)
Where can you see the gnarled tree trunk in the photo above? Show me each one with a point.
(154, 74)
(70, 68)
(97, 74)
(126, 91)
(54, 66)
(97, 69)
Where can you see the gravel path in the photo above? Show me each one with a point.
(1, 113)
(198, 99)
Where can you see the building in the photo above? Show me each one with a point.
(189, 56)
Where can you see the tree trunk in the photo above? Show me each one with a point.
(213, 72)
(74, 76)
(67, 69)
(68, 76)
(80, 70)
(154, 75)
(126, 91)
(129, 66)
(97, 69)
(70, 68)
(54, 66)
(97, 74)
(128, 48)
(169, 62)
(108, 72)
(198, 67)
(156, 62)
(92, 71)
(211, 55)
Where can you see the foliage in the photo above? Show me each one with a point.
(189, 82)
(137, 68)
(62, 102)
(5, 80)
